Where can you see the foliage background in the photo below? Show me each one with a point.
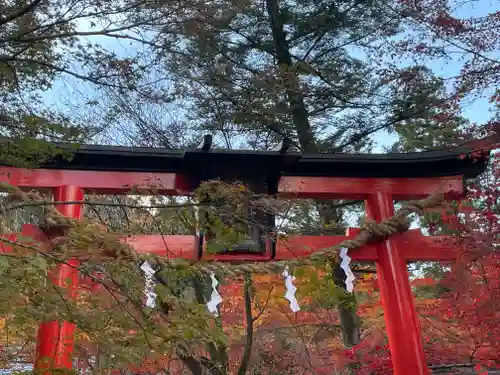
(332, 76)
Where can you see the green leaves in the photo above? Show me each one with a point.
(424, 115)
(4, 265)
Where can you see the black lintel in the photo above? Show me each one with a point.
(209, 163)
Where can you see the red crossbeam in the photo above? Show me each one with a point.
(413, 244)
(98, 182)
(360, 188)
(104, 182)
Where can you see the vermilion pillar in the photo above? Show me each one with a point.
(55, 339)
(402, 325)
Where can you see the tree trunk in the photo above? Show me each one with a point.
(295, 97)
(349, 320)
(247, 351)
(217, 364)
(348, 317)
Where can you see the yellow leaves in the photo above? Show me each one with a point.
(16, 332)
(366, 283)
(264, 279)
(81, 337)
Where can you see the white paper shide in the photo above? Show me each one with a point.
(290, 290)
(215, 298)
(149, 284)
(346, 260)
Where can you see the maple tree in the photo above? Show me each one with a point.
(458, 304)
(338, 91)
(39, 42)
(281, 340)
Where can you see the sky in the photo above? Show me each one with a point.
(476, 110)
(69, 94)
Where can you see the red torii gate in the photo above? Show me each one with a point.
(443, 171)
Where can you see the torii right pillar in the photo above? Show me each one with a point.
(391, 255)
(401, 320)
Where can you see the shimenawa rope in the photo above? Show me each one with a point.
(370, 230)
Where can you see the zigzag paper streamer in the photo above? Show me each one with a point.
(290, 290)
(215, 298)
(149, 285)
(346, 260)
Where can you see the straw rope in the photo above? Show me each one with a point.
(118, 251)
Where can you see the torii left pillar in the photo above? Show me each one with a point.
(55, 343)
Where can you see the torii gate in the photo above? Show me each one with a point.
(376, 179)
